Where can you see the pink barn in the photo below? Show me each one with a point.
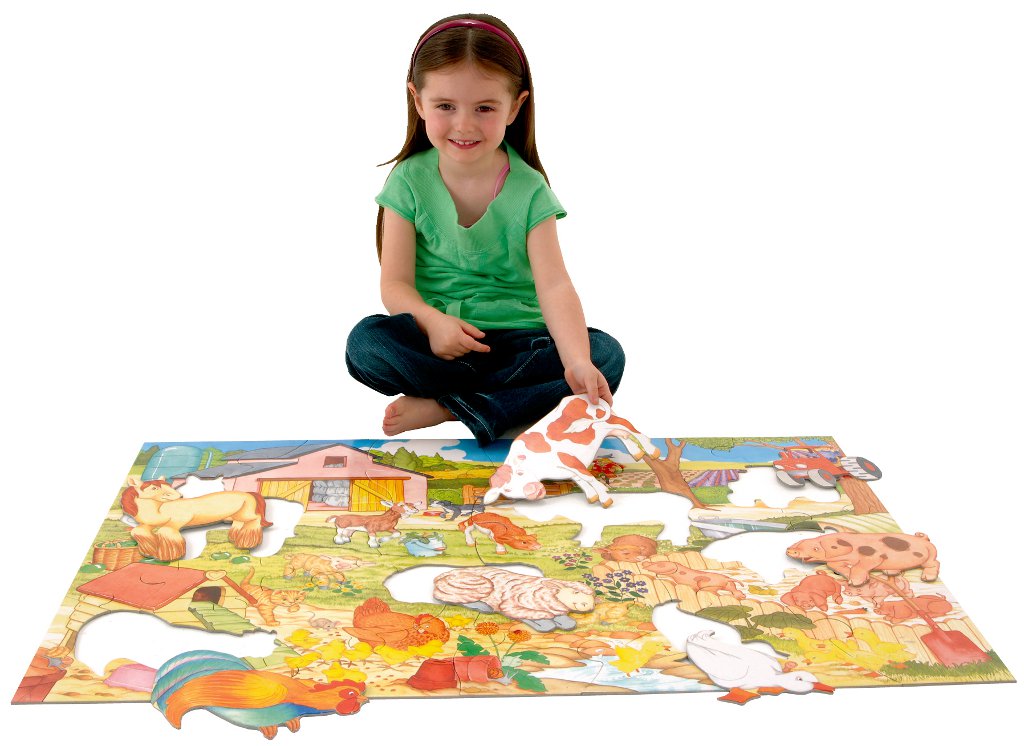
(328, 476)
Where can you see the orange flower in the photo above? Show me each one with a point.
(519, 635)
(487, 628)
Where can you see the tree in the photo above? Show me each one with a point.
(670, 478)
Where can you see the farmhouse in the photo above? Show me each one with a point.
(327, 476)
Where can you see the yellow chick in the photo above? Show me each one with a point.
(393, 656)
(427, 650)
(632, 659)
(821, 651)
(333, 650)
(337, 672)
(302, 638)
(301, 661)
(892, 652)
(360, 652)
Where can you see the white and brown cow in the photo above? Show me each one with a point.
(562, 446)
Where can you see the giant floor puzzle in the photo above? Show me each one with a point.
(415, 568)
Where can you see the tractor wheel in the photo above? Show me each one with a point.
(822, 478)
(861, 468)
(790, 480)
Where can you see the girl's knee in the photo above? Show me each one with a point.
(374, 337)
(608, 355)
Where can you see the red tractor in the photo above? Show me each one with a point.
(797, 464)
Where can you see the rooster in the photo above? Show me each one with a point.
(233, 690)
(375, 623)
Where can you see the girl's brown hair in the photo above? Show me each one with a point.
(488, 50)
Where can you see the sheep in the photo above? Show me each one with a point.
(542, 603)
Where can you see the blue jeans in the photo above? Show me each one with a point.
(519, 381)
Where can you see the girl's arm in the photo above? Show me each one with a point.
(449, 337)
(563, 313)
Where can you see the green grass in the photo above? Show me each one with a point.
(914, 672)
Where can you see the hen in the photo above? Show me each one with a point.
(374, 622)
(233, 690)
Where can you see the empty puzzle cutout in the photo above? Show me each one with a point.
(149, 640)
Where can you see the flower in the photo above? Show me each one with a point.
(519, 635)
(487, 628)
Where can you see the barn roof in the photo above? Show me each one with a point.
(286, 452)
(232, 470)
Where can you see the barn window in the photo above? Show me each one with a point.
(335, 462)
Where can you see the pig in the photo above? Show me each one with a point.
(699, 580)
(630, 548)
(855, 555)
(874, 592)
(900, 611)
(814, 592)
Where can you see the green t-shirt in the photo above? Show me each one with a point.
(480, 274)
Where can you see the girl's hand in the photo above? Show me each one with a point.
(585, 378)
(451, 337)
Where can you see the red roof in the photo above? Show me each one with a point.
(145, 586)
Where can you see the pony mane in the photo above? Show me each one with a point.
(131, 495)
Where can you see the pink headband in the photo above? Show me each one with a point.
(469, 23)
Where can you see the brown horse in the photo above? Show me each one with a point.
(162, 512)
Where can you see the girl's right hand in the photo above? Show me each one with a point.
(451, 337)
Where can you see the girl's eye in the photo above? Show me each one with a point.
(445, 107)
(486, 108)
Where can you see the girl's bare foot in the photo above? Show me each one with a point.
(412, 413)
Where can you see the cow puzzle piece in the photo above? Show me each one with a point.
(562, 445)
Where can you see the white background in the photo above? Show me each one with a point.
(796, 217)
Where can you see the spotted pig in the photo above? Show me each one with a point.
(855, 555)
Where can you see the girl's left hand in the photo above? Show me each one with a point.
(585, 378)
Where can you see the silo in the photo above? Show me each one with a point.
(172, 461)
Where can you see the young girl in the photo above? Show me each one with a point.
(485, 324)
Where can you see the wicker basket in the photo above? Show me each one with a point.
(116, 557)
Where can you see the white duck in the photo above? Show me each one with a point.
(740, 669)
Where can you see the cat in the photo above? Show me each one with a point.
(267, 598)
(456, 510)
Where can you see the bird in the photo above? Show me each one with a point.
(890, 652)
(234, 691)
(821, 651)
(740, 669)
(375, 623)
(631, 660)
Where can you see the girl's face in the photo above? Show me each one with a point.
(466, 110)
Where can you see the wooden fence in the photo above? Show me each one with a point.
(473, 495)
(825, 627)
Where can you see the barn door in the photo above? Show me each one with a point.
(368, 493)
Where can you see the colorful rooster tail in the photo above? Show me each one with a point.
(183, 668)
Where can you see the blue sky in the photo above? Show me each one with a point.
(494, 453)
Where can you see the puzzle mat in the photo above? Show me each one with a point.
(710, 507)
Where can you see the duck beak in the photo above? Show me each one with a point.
(819, 687)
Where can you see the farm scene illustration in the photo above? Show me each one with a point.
(581, 557)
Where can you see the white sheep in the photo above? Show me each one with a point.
(542, 603)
